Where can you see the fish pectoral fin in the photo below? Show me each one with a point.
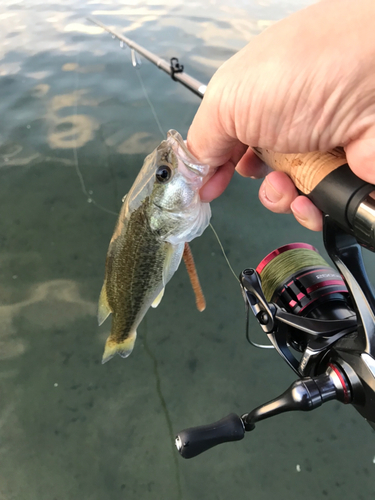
(158, 299)
(123, 348)
(172, 261)
(103, 308)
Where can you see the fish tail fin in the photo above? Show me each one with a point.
(123, 348)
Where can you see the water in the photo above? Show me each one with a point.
(74, 130)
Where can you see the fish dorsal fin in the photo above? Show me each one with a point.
(158, 299)
(103, 308)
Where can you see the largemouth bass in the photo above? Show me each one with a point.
(160, 213)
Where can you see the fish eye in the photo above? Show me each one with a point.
(163, 174)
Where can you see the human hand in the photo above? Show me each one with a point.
(307, 83)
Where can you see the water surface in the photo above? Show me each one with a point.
(75, 127)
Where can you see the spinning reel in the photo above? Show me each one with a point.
(321, 321)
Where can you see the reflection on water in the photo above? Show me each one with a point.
(74, 131)
(70, 131)
(40, 90)
(49, 305)
(138, 143)
(98, 68)
(10, 156)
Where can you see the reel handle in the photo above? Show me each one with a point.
(195, 440)
(325, 178)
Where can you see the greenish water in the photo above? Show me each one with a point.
(74, 130)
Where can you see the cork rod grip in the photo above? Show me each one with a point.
(306, 170)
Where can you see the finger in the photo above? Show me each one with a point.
(218, 182)
(361, 157)
(208, 137)
(214, 148)
(250, 165)
(215, 186)
(277, 192)
(307, 213)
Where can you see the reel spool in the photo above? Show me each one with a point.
(298, 279)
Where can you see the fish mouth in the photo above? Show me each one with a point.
(193, 167)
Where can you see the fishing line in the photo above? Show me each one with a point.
(223, 252)
(284, 265)
(88, 195)
(259, 346)
(137, 67)
(164, 406)
(255, 344)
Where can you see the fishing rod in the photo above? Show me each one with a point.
(321, 320)
(172, 68)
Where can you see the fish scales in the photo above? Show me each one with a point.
(134, 266)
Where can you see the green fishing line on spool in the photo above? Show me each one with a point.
(286, 264)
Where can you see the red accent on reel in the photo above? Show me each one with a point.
(341, 378)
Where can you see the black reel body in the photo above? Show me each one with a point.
(316, 294)
(320, 320)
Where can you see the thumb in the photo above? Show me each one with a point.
(361, 157)
(209, 138)
(208, 141)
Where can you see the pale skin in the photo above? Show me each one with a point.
(307, 83)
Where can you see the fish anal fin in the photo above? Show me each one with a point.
(113, 347)
(158, 299)
(103, 308)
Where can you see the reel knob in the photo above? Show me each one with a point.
(195, 440)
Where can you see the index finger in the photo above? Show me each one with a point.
(208, 137)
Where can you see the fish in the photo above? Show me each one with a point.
(159, 215)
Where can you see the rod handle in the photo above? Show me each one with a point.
(306, 170)
(326, 178)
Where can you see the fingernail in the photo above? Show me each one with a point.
(271, 193)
